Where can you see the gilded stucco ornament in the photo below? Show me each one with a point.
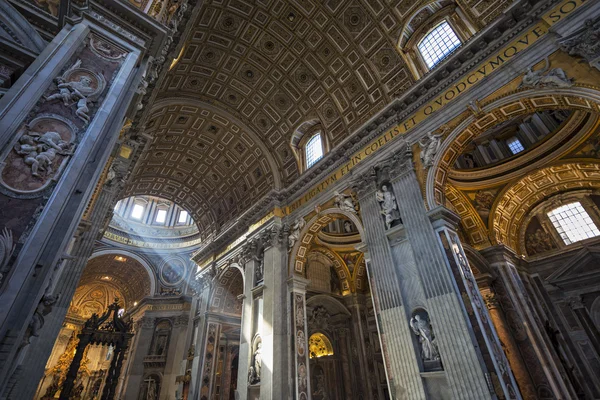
(546, 78)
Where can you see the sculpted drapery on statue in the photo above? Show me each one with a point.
(345, 202)
(422, 328)
(389, 207)
(546, 77)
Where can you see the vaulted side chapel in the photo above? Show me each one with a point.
(299, 199)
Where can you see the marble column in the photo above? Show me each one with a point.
(300, 360)
(542, 366)
(401, 363)
(53, 202)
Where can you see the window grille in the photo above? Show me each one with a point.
(438, 44)
(573, 223)
(314, 150)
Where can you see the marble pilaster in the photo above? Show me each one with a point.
(530, 335)
(401, 363)
(422, 261)
(36, 264)
(274, 333)
(300, 368)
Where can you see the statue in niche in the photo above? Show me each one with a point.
(422, 328)
(151, 394)
(429, 148)
(344, 202)
(256, 365)
(334, 281)
(294, 235)
(389, 207)
(546, 77)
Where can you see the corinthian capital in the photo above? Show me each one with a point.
(399, 163)
(584, 43)
(365, 183)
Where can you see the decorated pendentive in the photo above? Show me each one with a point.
(172, 271)
(38, 155)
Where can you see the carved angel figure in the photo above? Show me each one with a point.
(422, 329)
(294, 235)
(546, 77)
(389, 207)
(344, 202)
(40, 149)
(429, 148)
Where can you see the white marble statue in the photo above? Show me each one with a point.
(422, 329)
(429, 148)
(546, 77)
(389, 207)
(294, 235)
(151, 394)
(258, 360)
(344, 202)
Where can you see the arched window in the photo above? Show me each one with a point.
(438, 44)
(137, 211)
(431, 33)
(313, 150)
(309, 144)
(573, 223)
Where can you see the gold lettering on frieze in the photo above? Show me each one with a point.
(472, 78)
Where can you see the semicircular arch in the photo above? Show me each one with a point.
(142, 261)
(310, 231)
(513, 204)
(494, 112)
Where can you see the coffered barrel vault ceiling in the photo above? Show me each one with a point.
(251, 73)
